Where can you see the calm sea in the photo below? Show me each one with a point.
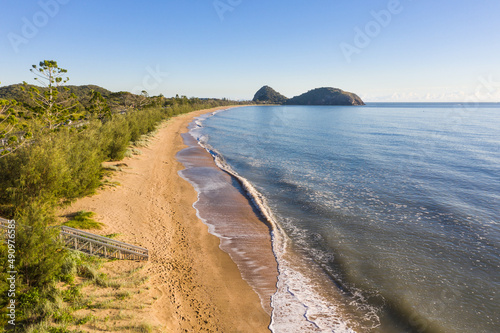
(386, 216)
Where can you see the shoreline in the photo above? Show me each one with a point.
(194, 285)
(231, 215)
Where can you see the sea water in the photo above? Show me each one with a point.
(386, 216)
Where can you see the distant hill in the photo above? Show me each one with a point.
(326, 96)
(267, 94)
(82, 92)
(116, 100)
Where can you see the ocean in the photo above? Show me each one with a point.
(382, 218)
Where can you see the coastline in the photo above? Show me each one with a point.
(225, 207)
(193, 285)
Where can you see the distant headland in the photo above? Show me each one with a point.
(318, 96)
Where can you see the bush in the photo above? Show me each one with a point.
(39, 254)
(116, 137)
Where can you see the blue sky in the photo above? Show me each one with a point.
(392, 50)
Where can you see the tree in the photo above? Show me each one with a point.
(39, 250)
(8, 123)
(12, 134)
(99, 106)
(141, 100)
(53, 106)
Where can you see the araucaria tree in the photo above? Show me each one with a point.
(54, 104)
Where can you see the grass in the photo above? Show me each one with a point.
(132, 151)
(141, 143)
(122, 295)
(84, 320)
(145, 327)
(84, 220)
(111, 168)
(109, 183)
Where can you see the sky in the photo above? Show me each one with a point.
(382, 50)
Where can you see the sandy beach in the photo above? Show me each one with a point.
(193, 285)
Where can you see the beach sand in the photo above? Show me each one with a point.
(193, 285)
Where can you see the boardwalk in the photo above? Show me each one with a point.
(95, 245)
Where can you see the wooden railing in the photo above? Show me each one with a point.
(102, 246)
(94, 244)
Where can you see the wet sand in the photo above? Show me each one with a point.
(197, 286)
(224, 207)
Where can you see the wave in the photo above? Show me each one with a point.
(296, 305)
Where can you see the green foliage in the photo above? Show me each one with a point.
(84, 320)
(83, 220)
(99, 106)
(39, 257)
(39, 253)
(37, 303)
(59, 165)
(116, 137)
(12, 132)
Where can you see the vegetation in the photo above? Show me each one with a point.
(268, 95)
(70, 305)
(12, 132)
(64, 134)
(52, 107)
(83, 220)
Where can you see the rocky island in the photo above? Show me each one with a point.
(268, 95)
(318, 96)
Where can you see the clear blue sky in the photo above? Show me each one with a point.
(427, 50)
